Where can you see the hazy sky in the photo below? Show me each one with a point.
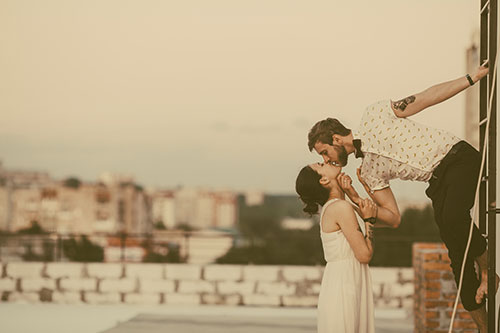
(216, 93)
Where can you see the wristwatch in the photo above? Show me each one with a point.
(370, 220)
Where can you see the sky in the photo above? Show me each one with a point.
(215, 93)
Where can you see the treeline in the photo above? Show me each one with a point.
(40, 246)
(262, 240)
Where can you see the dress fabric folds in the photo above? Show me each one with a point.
(345, 302)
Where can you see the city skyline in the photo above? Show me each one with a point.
(217, 95)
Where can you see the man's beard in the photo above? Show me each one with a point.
(342, 154)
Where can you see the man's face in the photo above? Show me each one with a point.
(335, 153)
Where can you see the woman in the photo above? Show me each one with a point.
(346, 297)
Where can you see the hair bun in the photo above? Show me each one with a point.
(311, 208)
(310, 190)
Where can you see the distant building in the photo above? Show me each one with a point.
(26, 181)
(163, 208)
(64, 207)
(123, 205)
(26, 178)
(113, 179)
(205, 209)
(114, 204)
(254, 198)
(226, 209)
(5, 210)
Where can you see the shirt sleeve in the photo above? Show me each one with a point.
(373, 174)
(389, 113)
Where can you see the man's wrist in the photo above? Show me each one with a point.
(476, 77)
(470, 80)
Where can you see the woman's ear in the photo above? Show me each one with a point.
(324, 181)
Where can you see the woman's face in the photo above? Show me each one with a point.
(326, 170)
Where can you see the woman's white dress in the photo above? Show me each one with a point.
(345, 302)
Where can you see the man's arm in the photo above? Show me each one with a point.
(436, 94)
(388, 211)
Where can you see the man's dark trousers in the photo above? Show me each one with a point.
(452, 190)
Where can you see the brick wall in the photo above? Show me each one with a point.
(99, 283)
(435, 292)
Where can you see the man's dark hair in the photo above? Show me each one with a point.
(323, 131)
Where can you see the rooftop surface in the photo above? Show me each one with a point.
(83, 318)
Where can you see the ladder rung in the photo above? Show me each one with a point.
(485, 6)
(482, 122)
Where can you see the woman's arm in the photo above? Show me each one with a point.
(342, 213)
(368, 210)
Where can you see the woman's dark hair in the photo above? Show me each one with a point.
(310, 190)
(323, 131)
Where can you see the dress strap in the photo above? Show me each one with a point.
(328, 203)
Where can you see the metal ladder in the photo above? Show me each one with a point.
(487, 195)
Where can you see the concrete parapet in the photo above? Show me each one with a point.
(102, 298)
(7, 284)
(276, 288)
(182, 272)
(223, 273)
(183, 299)
(384, 275)
(150, 271)
(37, 284)
(231, 287)
(25, 269)
(142, 298)
(262, 300)
(302, 273)
(24, 297)
(78, 284)
(261, 273)
(217, 299)
(105, 270)
(196, 287)
(308, 301)
(118, 285)
(67, 297)
(64, 270)
(156, 286)
(135, 283)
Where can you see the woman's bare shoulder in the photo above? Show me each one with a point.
(339, 207)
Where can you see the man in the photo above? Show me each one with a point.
(393, 146)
